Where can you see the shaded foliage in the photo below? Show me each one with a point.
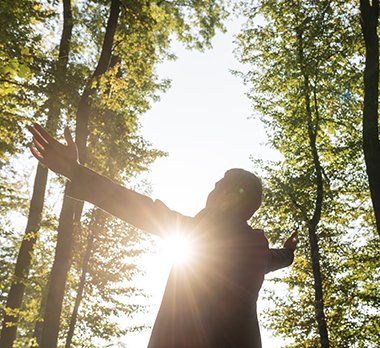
(33, 87)
(305, 66)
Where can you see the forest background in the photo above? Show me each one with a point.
(68, 276)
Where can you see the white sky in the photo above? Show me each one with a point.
(202, 122)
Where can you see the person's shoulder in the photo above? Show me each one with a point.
(258, 231)
(166, 222)
(259, 236)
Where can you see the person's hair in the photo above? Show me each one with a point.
(249, 188)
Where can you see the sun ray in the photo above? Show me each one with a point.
(177, 248)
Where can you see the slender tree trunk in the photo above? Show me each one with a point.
(39, 323)
(96, 224)
(71, 209)
(312, 127)
(369, 11)
(80, 290)
(313, 239)
(24, 258)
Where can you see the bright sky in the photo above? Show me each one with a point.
(202, 122)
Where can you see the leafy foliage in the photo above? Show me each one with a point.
(34, 87)
(304, 77)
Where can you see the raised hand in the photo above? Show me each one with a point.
(291, 242)
(58, 157)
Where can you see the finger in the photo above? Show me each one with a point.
(36, 154)
(44, 133)
(38, 146)
(69, 137)
(38, 136)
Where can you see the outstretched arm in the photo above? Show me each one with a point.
(139, 210)
(136, 209)
(280, 258)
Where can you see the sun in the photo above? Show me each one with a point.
(177, 248)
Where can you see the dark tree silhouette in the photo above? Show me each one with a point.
(71, 209)
(24, 258)
(369, 11)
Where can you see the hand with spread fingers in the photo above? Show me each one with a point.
(58, 157)
(291, 242)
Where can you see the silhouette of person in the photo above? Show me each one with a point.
(209, 302)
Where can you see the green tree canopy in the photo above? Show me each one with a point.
(304, 78)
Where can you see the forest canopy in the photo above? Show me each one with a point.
(311, 70)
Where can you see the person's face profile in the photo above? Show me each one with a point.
(225, 192)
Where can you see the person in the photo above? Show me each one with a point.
(209, 302)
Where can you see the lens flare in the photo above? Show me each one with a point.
(177, 248)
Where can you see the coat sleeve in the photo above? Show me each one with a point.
(279, 258)
(138, 210)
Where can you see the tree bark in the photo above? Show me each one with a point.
(312, 128)
(24, 258)
(369, 11)
(71, 209)
(96, 224)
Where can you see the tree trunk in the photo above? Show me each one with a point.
(96, 224)
(24, 258)
(39, 323)
(72, 209)
(312, 127)
(369, 11)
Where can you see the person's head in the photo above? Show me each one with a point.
(239, 193)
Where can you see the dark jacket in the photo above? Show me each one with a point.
(209, 302)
